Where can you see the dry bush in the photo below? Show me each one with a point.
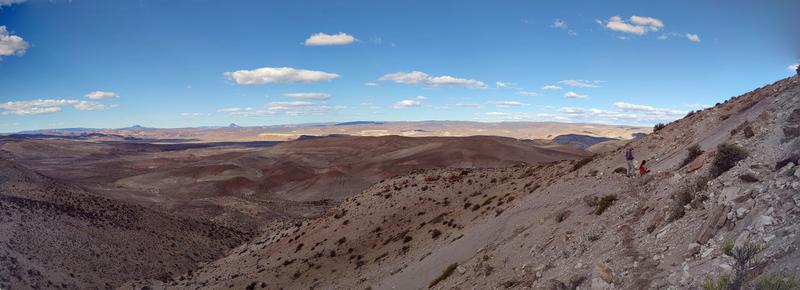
(694, 151)
(581, 163)
(727, 157)
(621, 170)
(658, 127)
(562, 215)
(778, 281)
(446, 273)
(604, 203)
(747, 177)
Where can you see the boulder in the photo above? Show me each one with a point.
(697, 163)
(716, 219)
(604, 272)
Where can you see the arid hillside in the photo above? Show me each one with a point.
(702, 212)
(246, 185)
(518, 130)
(57, 236)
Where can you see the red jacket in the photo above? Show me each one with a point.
(643, 170)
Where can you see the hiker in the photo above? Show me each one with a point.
(643, 170)
(629, 159)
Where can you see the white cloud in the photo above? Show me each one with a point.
(573, 95)
(406, 104)
(101, 95)
(628, 107)
(321, 39)
(581, 83)
(91, 106)
(507, 104)
(309, 96)
(528, 94)
(638, 25)
(46, 106)
(693, 37)
(10, 2)
(11, 44)
(422, 98)
(501, 85)
(291, 109)
(371, 84)
(278, 75)
(551, 88)
(287, 105)
(468, 105)
(417, 77)
(792, 67)
(497, 114)
(562, 25)
(193, 114)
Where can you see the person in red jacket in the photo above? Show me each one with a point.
(643, 170)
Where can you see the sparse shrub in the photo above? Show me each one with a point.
(562, 215)
(694, 151)
(510, 283)
(581, 163)
(446, 273)
(435, 233)
(747, 177)
(621, 170)
(604, 203)
(727, 157)
(722, 282)
(726, 247)
(778, 281)
(658, 127)
(748, 132)
(683, 197)
(744, 258)
(676, 211)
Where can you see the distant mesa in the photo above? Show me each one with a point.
(312, 137)
(233, 125)
(355, 123)
(580, 141)
(137, 128)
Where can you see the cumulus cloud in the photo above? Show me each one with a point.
(101, 95)
(417, 77)
(309, 96)
(321, 39)
(266, 75)
(573, 95)
(551, 88)
(292, 109)
(406, 104)
(628, 107)
(193, 114)
(581, 83)
(497, 114)
(792, 67)
(11, 44)
(688, 36)
(371, 84)
(46, 106)
(638, 25)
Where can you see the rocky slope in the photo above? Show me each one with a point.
(55, 236)
(561, 225)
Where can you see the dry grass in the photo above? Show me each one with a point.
(605, 203)
(727, 157)
(446, 273)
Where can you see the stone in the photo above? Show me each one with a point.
(697, 163)
(461, 270)
(716, 219)
(740, 212)
(761, 222)
(599, 284)
(730, 193)
(553, 284)
(786, 169)
(693, 249)
(604, 272)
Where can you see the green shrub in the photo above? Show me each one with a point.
(658, 127)
(776, 281)
(727, 247)
(446, 273)
(723, 282)
(604, 203)
(694, 151)
(727, 157)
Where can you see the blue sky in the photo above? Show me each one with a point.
(187, 63)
